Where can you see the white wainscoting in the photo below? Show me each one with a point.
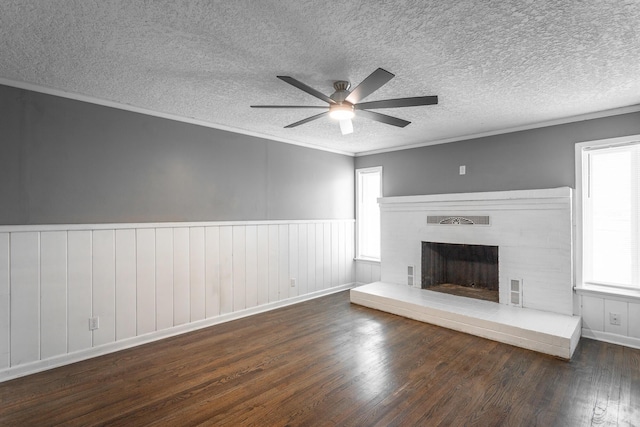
(149, 281)
(596, 307)
(367, 271)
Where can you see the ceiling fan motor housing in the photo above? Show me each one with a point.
(342, 90)
(342, 110)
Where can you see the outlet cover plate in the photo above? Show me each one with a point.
(94, 323)
(614, 319)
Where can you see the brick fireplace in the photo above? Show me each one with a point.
(531, 229)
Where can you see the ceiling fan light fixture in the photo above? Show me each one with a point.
(346, 126)
(342, 111)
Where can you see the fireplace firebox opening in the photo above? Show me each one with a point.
(461, 269)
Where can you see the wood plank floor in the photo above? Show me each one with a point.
(326, 362)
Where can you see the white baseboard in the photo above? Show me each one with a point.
(67, 359)
(611, 338)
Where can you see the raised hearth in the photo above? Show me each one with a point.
(550, 333)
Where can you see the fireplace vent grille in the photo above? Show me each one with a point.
(458, 220)
(515, 292)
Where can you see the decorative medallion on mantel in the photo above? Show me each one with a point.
(458, 220)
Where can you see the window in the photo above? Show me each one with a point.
(368, 190)
(610, 193)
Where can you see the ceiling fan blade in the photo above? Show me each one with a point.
(373, 82)
(399, 102)
(382, 118)
(308, 89)
(307, 120)
(346, 126)
(288, 106)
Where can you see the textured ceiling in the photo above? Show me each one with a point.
(495, 64)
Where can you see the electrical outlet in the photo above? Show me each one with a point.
(94, 323)
(293, 282)
(614, 318)
(463, 170)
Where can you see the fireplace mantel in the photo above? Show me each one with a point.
(488, 199)
(532, 228)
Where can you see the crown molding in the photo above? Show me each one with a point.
(555, 122)
(127, 107)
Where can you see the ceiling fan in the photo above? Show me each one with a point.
(344, 104)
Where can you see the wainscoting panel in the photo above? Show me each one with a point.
(4, 300)
(143, 282)
(311, 257)
(181, 285)
(320, 236)
(146, 280)
(294, 252)
(164, 278)
(342, 252)
(197, 274)
(238, 282)
(274, 263)
(80, 277)
(25, 297)
(125, 284)
(53, 291)
(251, 266)
(103, 291)
(283, 258)
(596, 318)
(335, 257)
(263, 264)
(303, 259)
(212, 271)
(367, 272)
(226, 271)
(326, 242)
(634, 320)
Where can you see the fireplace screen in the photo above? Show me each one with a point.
(451, 265)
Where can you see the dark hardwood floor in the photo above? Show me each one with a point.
(326, 362)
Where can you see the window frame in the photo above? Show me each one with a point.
(582, 184)
(358, 173)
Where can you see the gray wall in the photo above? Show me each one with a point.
(537, 158)
(65, 161)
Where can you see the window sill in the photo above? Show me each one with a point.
(609, 292)
(368, 260)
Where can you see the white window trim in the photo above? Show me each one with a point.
(581, 287)
(356, 176)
